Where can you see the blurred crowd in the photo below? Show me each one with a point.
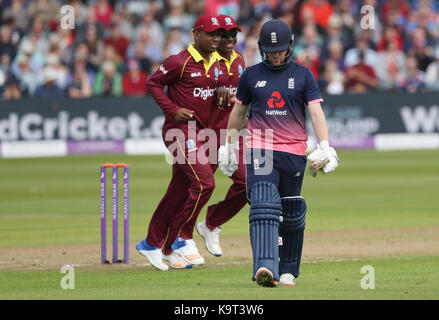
(351, 46)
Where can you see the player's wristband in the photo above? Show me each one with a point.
(324, 145)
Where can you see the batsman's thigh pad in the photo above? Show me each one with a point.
(265, 210)
(291, 230)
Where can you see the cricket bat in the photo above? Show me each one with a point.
(316, 166)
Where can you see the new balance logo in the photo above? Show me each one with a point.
(260, 84)
(195, 74)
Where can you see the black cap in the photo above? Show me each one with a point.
(275, 36)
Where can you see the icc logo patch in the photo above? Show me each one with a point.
(240, 70)
(191, 146)
(190, 143)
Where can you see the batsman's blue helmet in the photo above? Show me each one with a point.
(276, 36)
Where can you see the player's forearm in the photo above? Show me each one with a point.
(156, 89)
(318, 121)
(237, 120)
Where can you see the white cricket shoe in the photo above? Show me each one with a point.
(287, 279)
(176, 262)
(153, 254)
(187, 250)
(211, 238)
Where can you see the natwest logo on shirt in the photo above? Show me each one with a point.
(204, 93)
(276, 101)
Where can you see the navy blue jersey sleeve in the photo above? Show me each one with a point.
(312, 92)
(243, 94)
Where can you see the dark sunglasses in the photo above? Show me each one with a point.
(232, 33)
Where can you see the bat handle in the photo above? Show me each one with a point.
(316, 166)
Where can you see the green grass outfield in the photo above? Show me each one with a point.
(54, 203)
(399, 278)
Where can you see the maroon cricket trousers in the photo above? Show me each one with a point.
(191, 186)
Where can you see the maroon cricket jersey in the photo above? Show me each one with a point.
(233, 69)
(191, 82)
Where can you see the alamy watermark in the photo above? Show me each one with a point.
(67, 20)
(196, 146)
(68, 281)
(368, 19)
(367, 281)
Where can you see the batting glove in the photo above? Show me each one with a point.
(322, 153)
(227, 160)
